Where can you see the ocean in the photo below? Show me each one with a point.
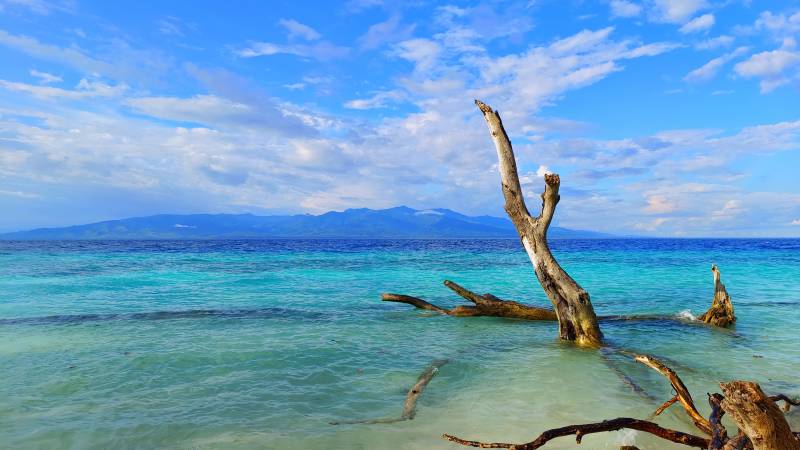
(262, 344)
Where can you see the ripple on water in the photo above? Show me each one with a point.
(259, 344)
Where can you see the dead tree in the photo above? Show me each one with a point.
(576, 318)
(721, 311)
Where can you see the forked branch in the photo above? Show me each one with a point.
(577, 320)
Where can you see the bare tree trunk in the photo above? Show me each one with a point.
(721, 311)
(576, 317)
(758, 416)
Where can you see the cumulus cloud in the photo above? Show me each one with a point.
(676, 11)
(774, 68)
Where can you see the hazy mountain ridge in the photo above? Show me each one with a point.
(399, 222)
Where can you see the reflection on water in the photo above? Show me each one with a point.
(261, 344)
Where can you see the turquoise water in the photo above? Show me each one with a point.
(261, 344)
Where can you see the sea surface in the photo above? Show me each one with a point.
(262, 344)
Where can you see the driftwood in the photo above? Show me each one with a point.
(579, 431)
(485, 305)
(761, 423)
(682, 394)
(576, 318)
(490, 305)
(721, 311)
(758, 416)
(410, 405)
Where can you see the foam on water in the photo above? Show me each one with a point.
(686, 314)
(261, 344)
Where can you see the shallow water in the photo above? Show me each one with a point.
(260, 344)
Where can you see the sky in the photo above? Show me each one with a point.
(663, 117)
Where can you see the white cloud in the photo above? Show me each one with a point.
(422, 52)
(322, 50)
(796, 222)
(44, 77)
(709, 70)
(774, 68)
(676, 11)
(715, 43)
(779, 25)
(84, 89)
(378, 100)
(624, 8)
(701, 23)
(296, 30)
(542, 171)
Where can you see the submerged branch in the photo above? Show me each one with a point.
(410, 405)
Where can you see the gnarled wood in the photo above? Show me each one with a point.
(758, 416)
(684, 397)
(721, 311)
(410, 405)
(719, 435)
(485, 305)
(489, 305)
(576, 317)
(579, 431)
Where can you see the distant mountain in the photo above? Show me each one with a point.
(400, 222)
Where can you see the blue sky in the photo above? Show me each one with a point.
(664, 117)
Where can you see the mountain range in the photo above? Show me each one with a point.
(400, 223)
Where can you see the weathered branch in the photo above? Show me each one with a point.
(721, 311)
(681, 392)
(489, 305)
(410, 405)
(576, 317)
(664, 406)
(414, 301)
(485, 305)
(579, 431)
(758, 416)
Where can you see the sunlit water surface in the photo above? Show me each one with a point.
(276, 339)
